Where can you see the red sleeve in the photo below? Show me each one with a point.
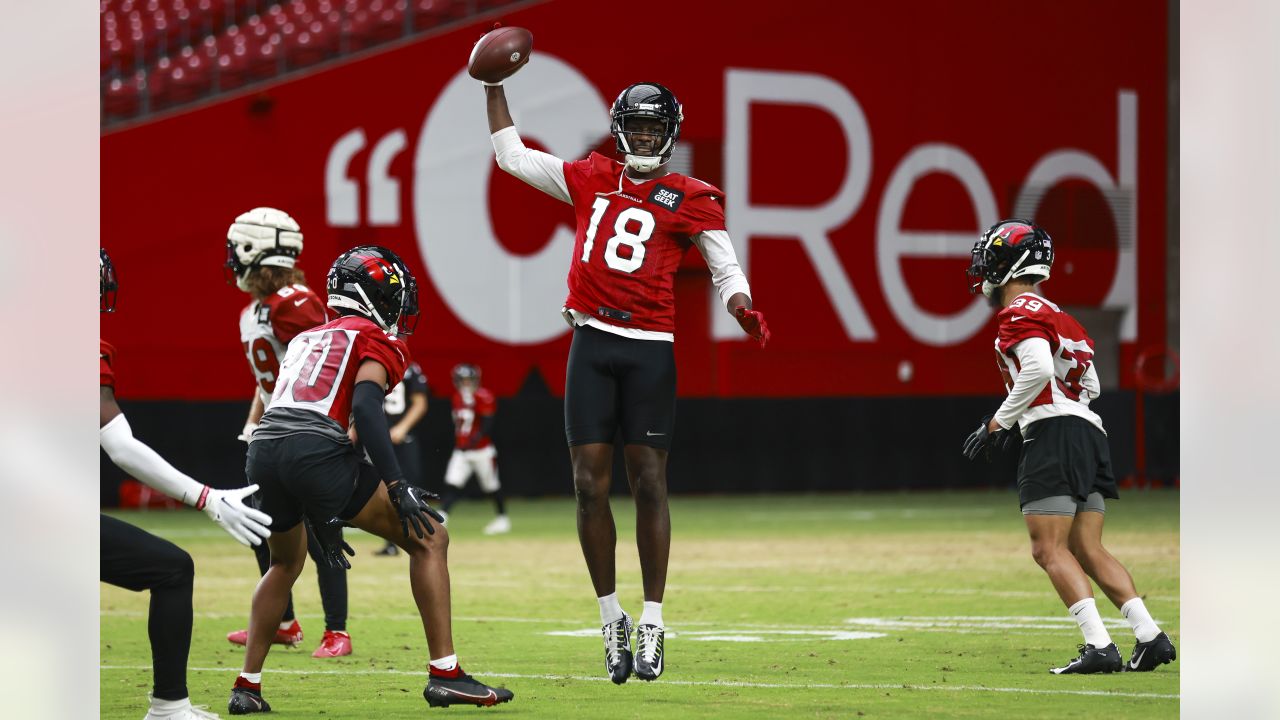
(704, 210)
(295, 313)
(391, 353)
(485, 403)
(1018, 324)
(106, 377)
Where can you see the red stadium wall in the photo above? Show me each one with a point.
(862, 149)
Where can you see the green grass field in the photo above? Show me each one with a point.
(831, 606)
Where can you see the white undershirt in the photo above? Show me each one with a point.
(546, 173)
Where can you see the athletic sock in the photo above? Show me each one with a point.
(1086, 615)
(1144, 628)
(286, 624)
(446, 666)
(253, 681)
(652, 614)
(610, 609)
(166, 707)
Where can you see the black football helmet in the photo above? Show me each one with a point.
(1009, 249)
(107, 282)
(646, 100)
(373, 282)
(465, 371)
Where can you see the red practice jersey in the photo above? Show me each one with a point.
(630, 243)
(1075, 381)
(318, 376)
(106, 377)
(266, 328)
(469, 411)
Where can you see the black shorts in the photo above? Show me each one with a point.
(309, 474)
(1064, 456)
(617, 382)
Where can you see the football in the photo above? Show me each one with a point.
(500, 53)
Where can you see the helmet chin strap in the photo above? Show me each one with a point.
(645, 163)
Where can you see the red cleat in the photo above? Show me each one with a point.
(334, 644)
(291, 636)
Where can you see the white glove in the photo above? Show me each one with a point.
(247, 432)
(227, 508)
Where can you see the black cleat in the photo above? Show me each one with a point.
(649, 651)
(1092, 660)
(463, 690)
(245, 700)
(617, 649)
(1148, 656)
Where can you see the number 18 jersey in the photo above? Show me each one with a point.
(1074, 382)
(630, 241)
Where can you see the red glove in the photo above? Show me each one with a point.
(752, 322)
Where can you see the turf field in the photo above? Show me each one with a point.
(832, 606)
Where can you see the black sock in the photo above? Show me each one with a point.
(451, 495)
(498, 502)
(262, 554)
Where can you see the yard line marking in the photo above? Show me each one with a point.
(696, 683)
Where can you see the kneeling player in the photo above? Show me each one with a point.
(309, 470)
(1064, 472)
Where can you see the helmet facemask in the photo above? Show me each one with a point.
(372, 282)
(1007, 250)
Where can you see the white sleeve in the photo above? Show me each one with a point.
(140, 461)
(1035, 361)
(717, 250)
(1091, 384)
(541, 170)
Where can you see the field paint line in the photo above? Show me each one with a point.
(696, 683)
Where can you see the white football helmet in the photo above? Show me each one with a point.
(262, 236)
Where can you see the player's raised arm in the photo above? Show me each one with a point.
(539, 169)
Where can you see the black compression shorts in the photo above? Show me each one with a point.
(309, 474)
(615, 382)
(1065, 455)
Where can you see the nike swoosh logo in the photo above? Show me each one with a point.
(491, 696)
(1134, 664)
(650, 433)
(299, 301)
(1015, 318)
(1024, 442)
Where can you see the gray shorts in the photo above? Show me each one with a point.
(1065, 505)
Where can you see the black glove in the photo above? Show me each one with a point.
(981, 441)
(411, 505)
(329, 536)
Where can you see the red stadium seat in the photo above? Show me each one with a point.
(122, 97)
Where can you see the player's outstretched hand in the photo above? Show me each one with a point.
(332, 547)
(753, 324)
(228, 509)
(411, 505)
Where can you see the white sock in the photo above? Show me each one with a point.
(652, 614)
(166, 707)
(610, 609)
(1144, 628)
(447, 663)
(255, 678)
(287, 624)
(1086, 614)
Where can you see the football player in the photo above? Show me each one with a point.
(263, 246)
(137, 560)
(1064, 472)
(635, 220)
(312, 474)
(474, 410)
(405, 406)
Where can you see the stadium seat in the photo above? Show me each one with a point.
(122, 96)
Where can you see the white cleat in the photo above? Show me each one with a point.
(179, 710)
(498, 525)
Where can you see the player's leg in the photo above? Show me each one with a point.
(290, 631)
(647, 396)
(456, 475)
(134, 559)
(1153, 647)
(486, 470)
(591, 423)
(429, 581)
(288, 555)
(333, 597)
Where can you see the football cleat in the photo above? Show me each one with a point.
(291, 636)
(498, 526)
(617, 649)
(462, 690)
(1148, 656)
(246, 700)
(334, 644)
(186, 711)
(1092, 660)
(389, 551)
(648, 658)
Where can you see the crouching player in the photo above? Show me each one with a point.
(310, 472)
(1064, 472)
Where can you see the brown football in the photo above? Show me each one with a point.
(500, 53)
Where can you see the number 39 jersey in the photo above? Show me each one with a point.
(1075, 380)
(266, 328)
(318, 377)
(630, 241)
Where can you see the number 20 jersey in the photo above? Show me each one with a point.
(318, 377)
(1074, 382)
(629, 242)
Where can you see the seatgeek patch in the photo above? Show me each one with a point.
(666, 197)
